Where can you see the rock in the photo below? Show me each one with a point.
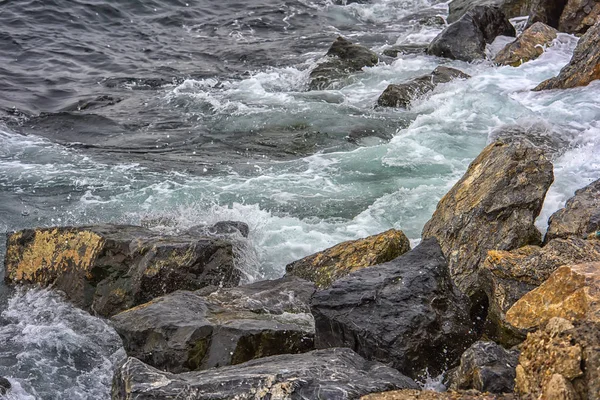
(465, 39)
(546, 11)
(528, 46)
(400, 95)
(510, 8)
(538, 133)
(326, 374)
(409, 394)
(328, 265)
(486, 367)
(344, 57)
(110, 268)
(561, 361)
(492, 207)
(394, 51)
(221, 228)
(5, 385)
(506, 276)
(572, 292)
(584, 66)
(578, 16)
(185, 331)
(579, 217)
(405, 313)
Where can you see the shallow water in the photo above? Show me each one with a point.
(212, 121)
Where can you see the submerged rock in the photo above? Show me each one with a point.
(185, 331)
(110, 268)
(492, 207)
(410, 394)
(561, 361)
(405, 313)
(584, 66)
(510, 8)
(326, 266)
(572, 292)
(343, 58)
(528, 46)
(578, 16)
(395, 50)
(327, 374)
(486, 367)
(466, 38)
(506, 276)
(579, 217)
(400, 95)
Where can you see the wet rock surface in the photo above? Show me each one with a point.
(510, 8)
(492, 207)
(466, 38)
(584, 66)
(185, 331)
(579, 217)
(538, 133)
(331, 374)
(486, 367)
(5, 385)
(409, 394)
(109, 268)
(546, 11)
(343, 58)
(578, 16)
(528, 46)
(400, 95)
(405, 313)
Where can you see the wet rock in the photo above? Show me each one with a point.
(396, 50)
(538, 133)
(546, 11)
(400, 95)
(572, 292)
(409, 394)
(405, 313)
(466, 38)
(185, 331)
(510, 8)
(492, 207)
(5, 385)
(327, 374)
(578, 16)
(486, 367)
(221, 228)
(326, 266)
(343, 58)
(584, 66)
(109, 268)
(579, 217)
(561, 361)
(506, 276)
(529, 46)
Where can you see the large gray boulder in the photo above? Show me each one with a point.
(333, 374)
(466, 38)
(110, 268)
(405, 313)
(185, 331)
(342, 59)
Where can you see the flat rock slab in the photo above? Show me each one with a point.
(405, 313)
(109, 268)
(185, 331)
(333, 374)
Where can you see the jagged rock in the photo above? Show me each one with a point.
(405, 313)
(400, 95)
(546, 11)
(579, 217)
(326, 266)
(572, 292)
(5, 385)
(510, 8)
(579, 15)
(561, 361)
(110, 268)
(528, 46)
(326, 374)
(465, 39)
(584, 66)
(344, 57)
(185, 331)
(486, 367)
(506, 276)
(409, 394)
(492, 207)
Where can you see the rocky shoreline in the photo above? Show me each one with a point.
(485, 301)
